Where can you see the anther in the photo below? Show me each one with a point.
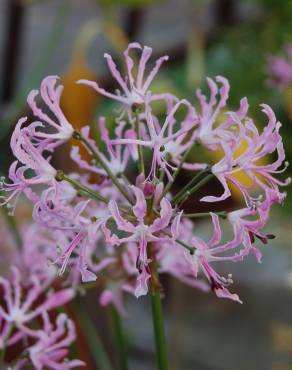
(76, 135)
(60, 175)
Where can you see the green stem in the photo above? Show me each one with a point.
(221, 214)
(183, 244)
(183, 196)
(121, 340)
(84, 190)
(3, 351)
(97, 349)
(2, 355)
(158, 325)
(161, 177)
(62, 176)
(78, 136)
(140, 148)
(189, 185)
(126, 180)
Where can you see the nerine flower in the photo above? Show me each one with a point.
(247, 224)
(20, 308)
(204, 254)
(29, 158)
(162, 140)
(79, 230)
(51, 348)
(259, 146)
(216, 127)
(133, 89)
(279, 69)
(12, 190)
(173, 259)
(117, 157)
(49, 132)
(141, 231)
(122, 271)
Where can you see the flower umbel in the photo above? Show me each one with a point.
(129, 226)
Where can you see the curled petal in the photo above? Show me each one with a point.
(140, 206)
(162, 222)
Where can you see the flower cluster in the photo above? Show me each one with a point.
(279, 69)
(118, 217)
(29, 294)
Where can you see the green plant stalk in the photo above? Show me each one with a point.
(121, 339)
(97, 349)
(84, 190)
(96, 156)
(221, 214)
(193, 181)
(3, 350)
(140, 148)
(183, 197)
(126, 180)
(62, 176)
(183, 244)
(158, 325)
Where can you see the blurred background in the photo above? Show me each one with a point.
(203, 38)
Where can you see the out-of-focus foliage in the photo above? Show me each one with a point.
(126, 3)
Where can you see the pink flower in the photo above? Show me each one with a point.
(79, 230)
(51, 348)
(174, 259)
(28, 158)
(133, 89)
(162, 140)
(259, 146)
(202, 257)
(122, 272)
(118, 156)
(21, 308)
(60, 130)
(141, 231)
(279, 69)
(247, 225)
(210, 132)
(13, 189)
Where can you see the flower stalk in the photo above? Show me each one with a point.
(181, 197)
(82, 188)
(94, 342)
(141, 164)
(78, 136)
(121, 340)
(157, 318)
(221, 214)
(189, 185)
